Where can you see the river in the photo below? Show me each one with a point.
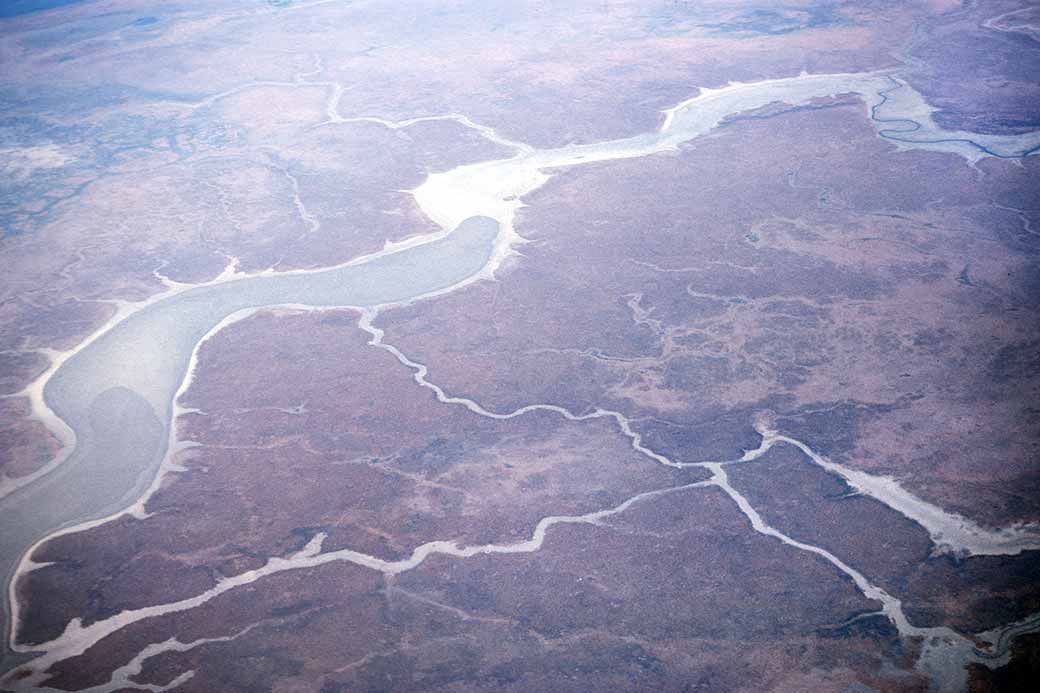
(116, 392)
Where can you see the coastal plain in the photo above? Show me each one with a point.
(756, 410)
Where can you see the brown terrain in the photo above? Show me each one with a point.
(380, 467)
(696, 295)
(879, 305)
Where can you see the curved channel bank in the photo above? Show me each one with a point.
(116, 393)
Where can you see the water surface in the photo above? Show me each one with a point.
(117, 393)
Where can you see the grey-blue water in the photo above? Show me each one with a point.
(14, 8)
(117, 393)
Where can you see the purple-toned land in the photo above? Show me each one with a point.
(756, 410)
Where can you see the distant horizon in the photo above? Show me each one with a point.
(16, 8)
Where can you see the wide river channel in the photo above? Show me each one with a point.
(117, 393)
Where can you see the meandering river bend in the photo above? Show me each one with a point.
(116, 392)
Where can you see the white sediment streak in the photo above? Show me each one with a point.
(123, 678)
(487, 132)
(34, 391)
(904, 117)
(312, 222)
(174, 444)
(41, 411)
(945, 653)
(495, 189)
(950, 532)
(332, 108)
(1000, 639)
(77, 639)
(334, 88)
(1025, 20)
(137, 510)
(420, 373)
(890, 606)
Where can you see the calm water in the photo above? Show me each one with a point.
(13, 8)
(117, 394)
